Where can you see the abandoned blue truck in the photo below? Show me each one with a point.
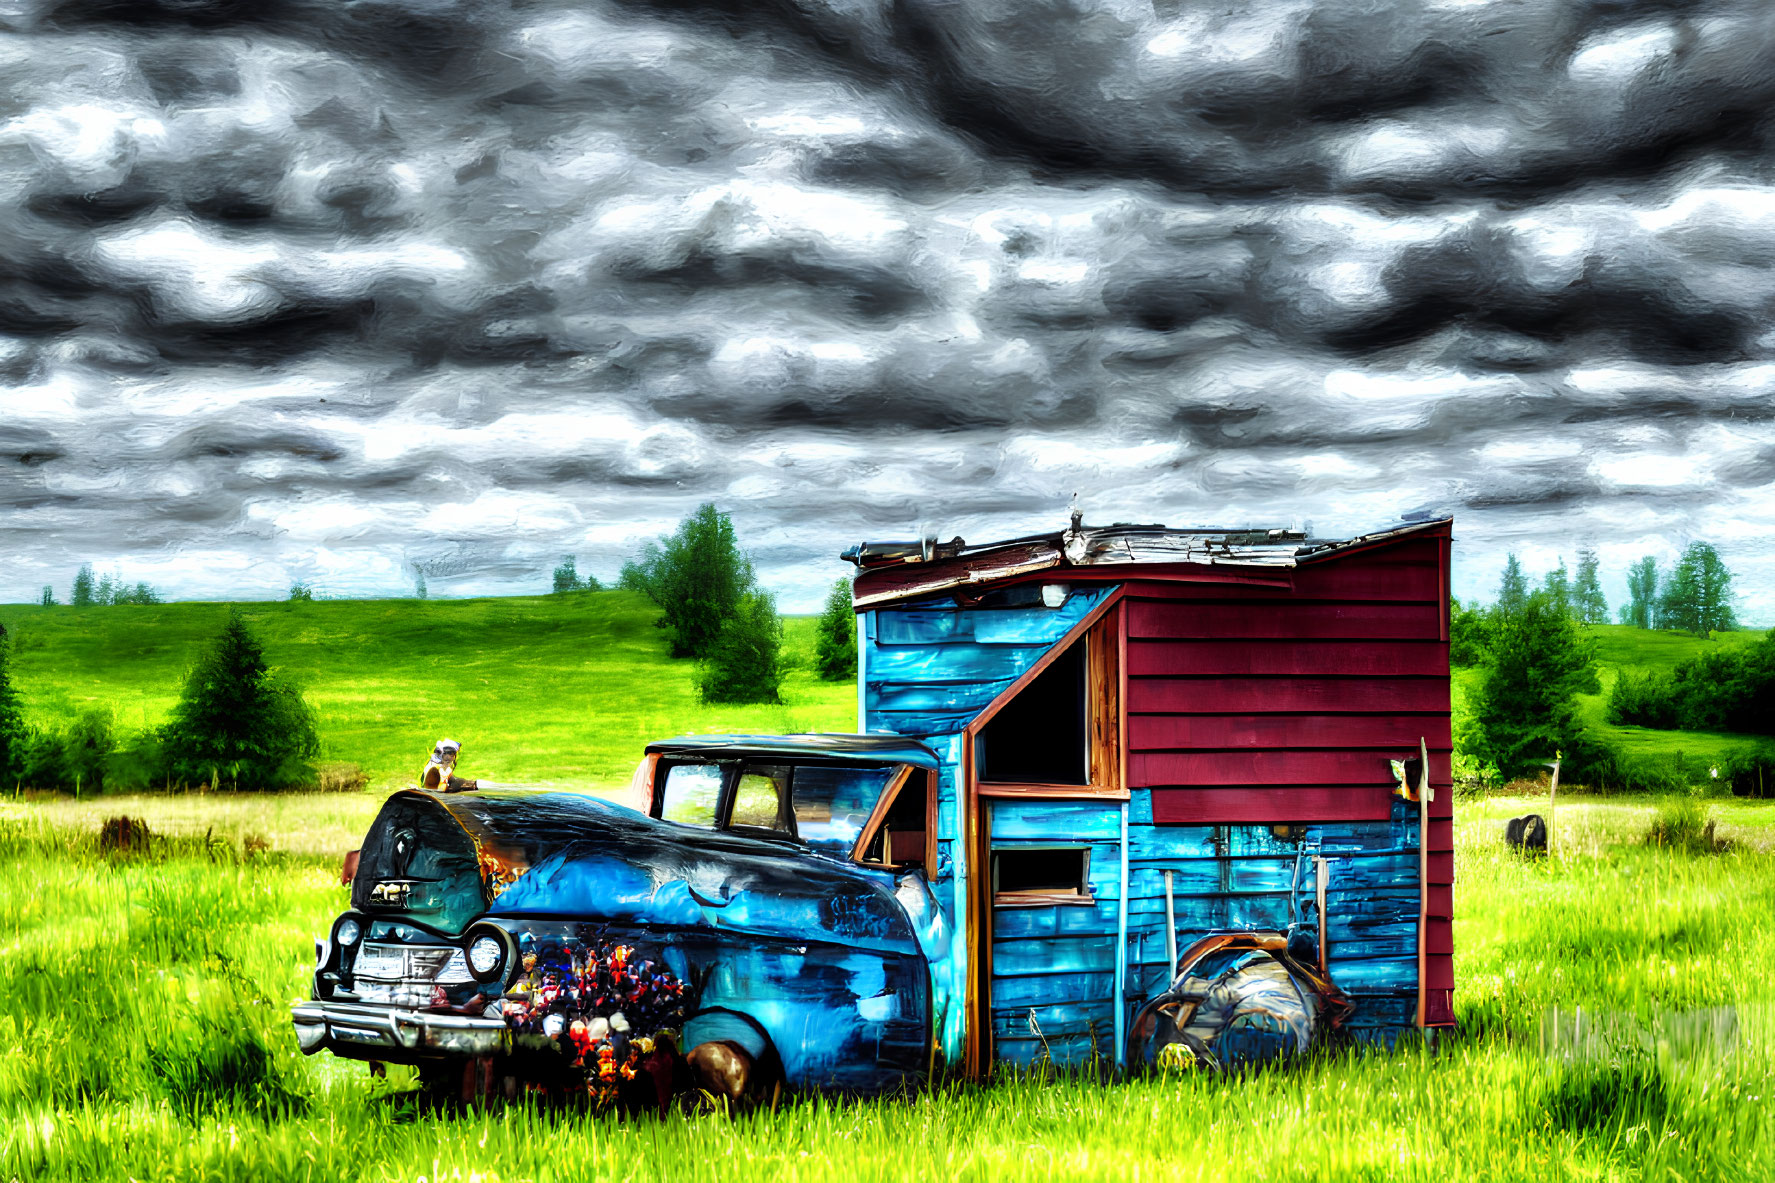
(1129, 796)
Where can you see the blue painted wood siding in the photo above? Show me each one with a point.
(928, 670)
(1053, 968)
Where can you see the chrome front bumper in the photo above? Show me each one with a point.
(372, 1032)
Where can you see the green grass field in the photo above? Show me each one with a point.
(143, 1005)
(556, 689)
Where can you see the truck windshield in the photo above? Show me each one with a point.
(833, 803)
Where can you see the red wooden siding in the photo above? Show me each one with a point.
(1270, 805)
(1264, 705)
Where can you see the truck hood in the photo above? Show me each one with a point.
(515, 853)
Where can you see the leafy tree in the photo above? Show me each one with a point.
(1469, 633)
(419, 588)
(12, 715)
(48, 600)
(82, 594)
(1540, 659)
(141, 593)
(301, 592)
(835, 643)
(1698, 596)
(1642, 593)
(106, 592)
(1558, 587)
(698, 577)
(745, 661)
(1588, 602)
(238, 721)
(568, 578)
(1512, 589)
(86, 748)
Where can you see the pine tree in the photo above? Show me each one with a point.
(1558, 587)
(1588, 602)
(239, 719)
(835, 644)
(12, 716)
(1698, 596)
(1540, 660)
(567, 576)
(81, 596)
(698, 577)
(1642, 593)
(745, 660)
(1512, 589)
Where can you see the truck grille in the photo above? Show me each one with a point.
(406, 975)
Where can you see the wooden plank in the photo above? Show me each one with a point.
(1320, 766)
(1055, 822)
(1052, 989)
(1417, 579)
(1271, 806)
(1157, 732)
(1149, 619)
(1104, 680)
(1377, 973)
(1092, 953)
(1439, 937)
(909, 580)
(1439, 974)
(1282, 657)
(1212, 695)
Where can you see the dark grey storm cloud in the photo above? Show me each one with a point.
(339, 290)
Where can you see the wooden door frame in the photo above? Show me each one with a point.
(975, 830)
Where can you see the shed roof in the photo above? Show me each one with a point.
(890, 571)
(861, 749)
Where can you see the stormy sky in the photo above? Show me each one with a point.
(338, 291)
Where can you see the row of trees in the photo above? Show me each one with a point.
(1695, 596)
(237, 723)
(708, 594)
(103, 590)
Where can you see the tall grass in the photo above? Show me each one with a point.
(145, 1036)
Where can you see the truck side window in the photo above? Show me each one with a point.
(692, 792)
(760, 798)
(832, 804)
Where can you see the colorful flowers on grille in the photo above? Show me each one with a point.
(610, 1010)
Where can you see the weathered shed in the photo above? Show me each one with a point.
(1136, 722)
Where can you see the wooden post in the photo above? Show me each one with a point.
(1424, 794)
(1321, 869)
(1170, 933)
(1552, 801)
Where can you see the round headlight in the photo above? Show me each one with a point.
(484, 955)
(347, 933)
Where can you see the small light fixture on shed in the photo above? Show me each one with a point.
(1054, 594)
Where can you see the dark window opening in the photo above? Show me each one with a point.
(900, 839)
(1039, 736)
(1047, 874)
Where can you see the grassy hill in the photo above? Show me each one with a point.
(562, 689)
(1639, 651)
